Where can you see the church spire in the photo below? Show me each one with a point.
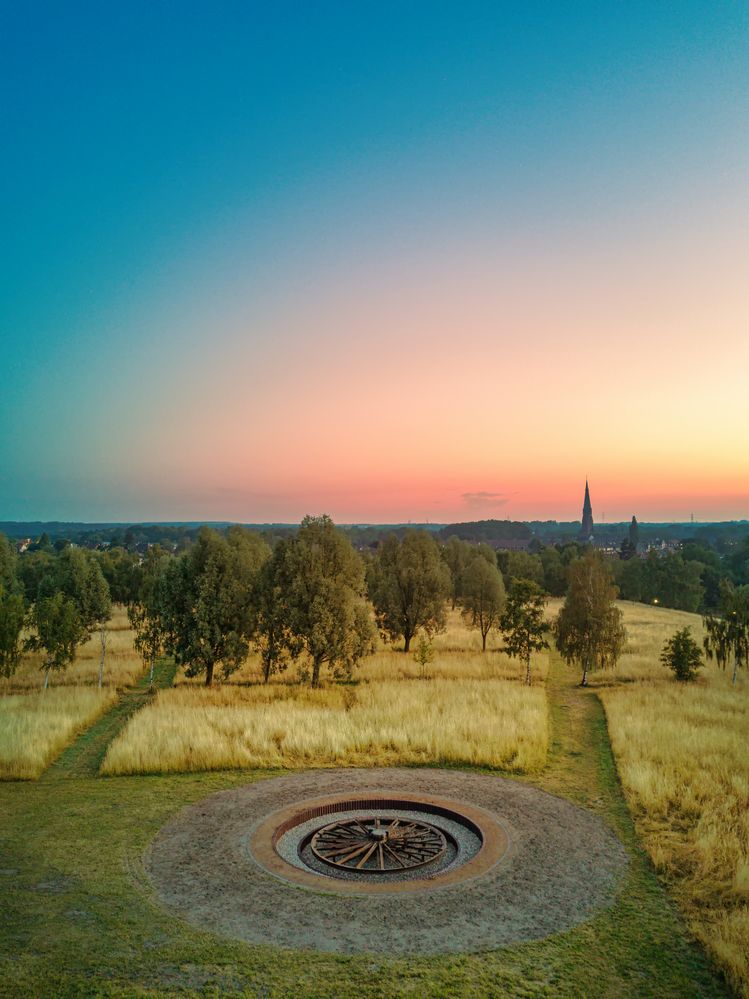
(586, 530)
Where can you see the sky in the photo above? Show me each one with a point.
(389, 261)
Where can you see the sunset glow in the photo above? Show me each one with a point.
(388, 284)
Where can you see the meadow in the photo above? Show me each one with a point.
(489, 723)
(35, 728)
(36, 725)
(683, 759)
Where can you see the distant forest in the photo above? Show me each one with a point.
(480, 531)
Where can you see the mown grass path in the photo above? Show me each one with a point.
(84, 756)
(80, 918)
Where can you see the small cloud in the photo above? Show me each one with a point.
(481, 500)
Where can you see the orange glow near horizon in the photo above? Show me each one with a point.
(457, 392)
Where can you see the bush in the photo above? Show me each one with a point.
(682, 655)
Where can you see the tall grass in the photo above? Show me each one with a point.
(35, 728)
(481, 723)
(683, 757)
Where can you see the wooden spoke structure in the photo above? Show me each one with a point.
(373, 845)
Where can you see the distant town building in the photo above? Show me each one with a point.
(586, 530)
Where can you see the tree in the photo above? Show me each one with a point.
(456, 554)
(423, 655)
(522, 622)
(78, 576)
(589, 629)
(273, 639)
(628, 574)
(728, 634)
(12, 618)
(59, 630)
(682, 655)
(627, 550)
(12, 609)
(144, 610)
(409, 585)
(34, 569)
(323, 585)
(521, 565)
(121, 569)
(204, 600)
(555, 571)
(680, 583)
(483, 596)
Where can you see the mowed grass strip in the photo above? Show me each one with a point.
(35, 728)
(683, 760)
(488, 723)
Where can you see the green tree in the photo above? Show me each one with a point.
(628, 574)
(408, 585)
(273, 640)
(423, 656)
(8, 566)
(555, 571)
(323, 585)
(204, 600)
(483, 596)
(727, 635)
(12, 618)
(12, 609)
(58, 632)
(78, 576)
(521, 565)
(121, 569)
(681, 654)
(34, 571)
(680, 583)
(589, 629)
(456, 554)
(143, 610)
(522, 622)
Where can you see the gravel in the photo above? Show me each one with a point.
(563, 864)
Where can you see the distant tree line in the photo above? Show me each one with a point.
(307, 596)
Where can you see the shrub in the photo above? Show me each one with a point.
(682, 655)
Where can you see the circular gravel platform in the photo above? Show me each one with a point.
(541, 866)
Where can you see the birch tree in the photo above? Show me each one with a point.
(522, 622)
(58, 632)
(589, 629)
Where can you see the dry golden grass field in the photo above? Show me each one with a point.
(389, 722)
(682, 752)
(460, 710)
(35, 728)
(36, 725)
